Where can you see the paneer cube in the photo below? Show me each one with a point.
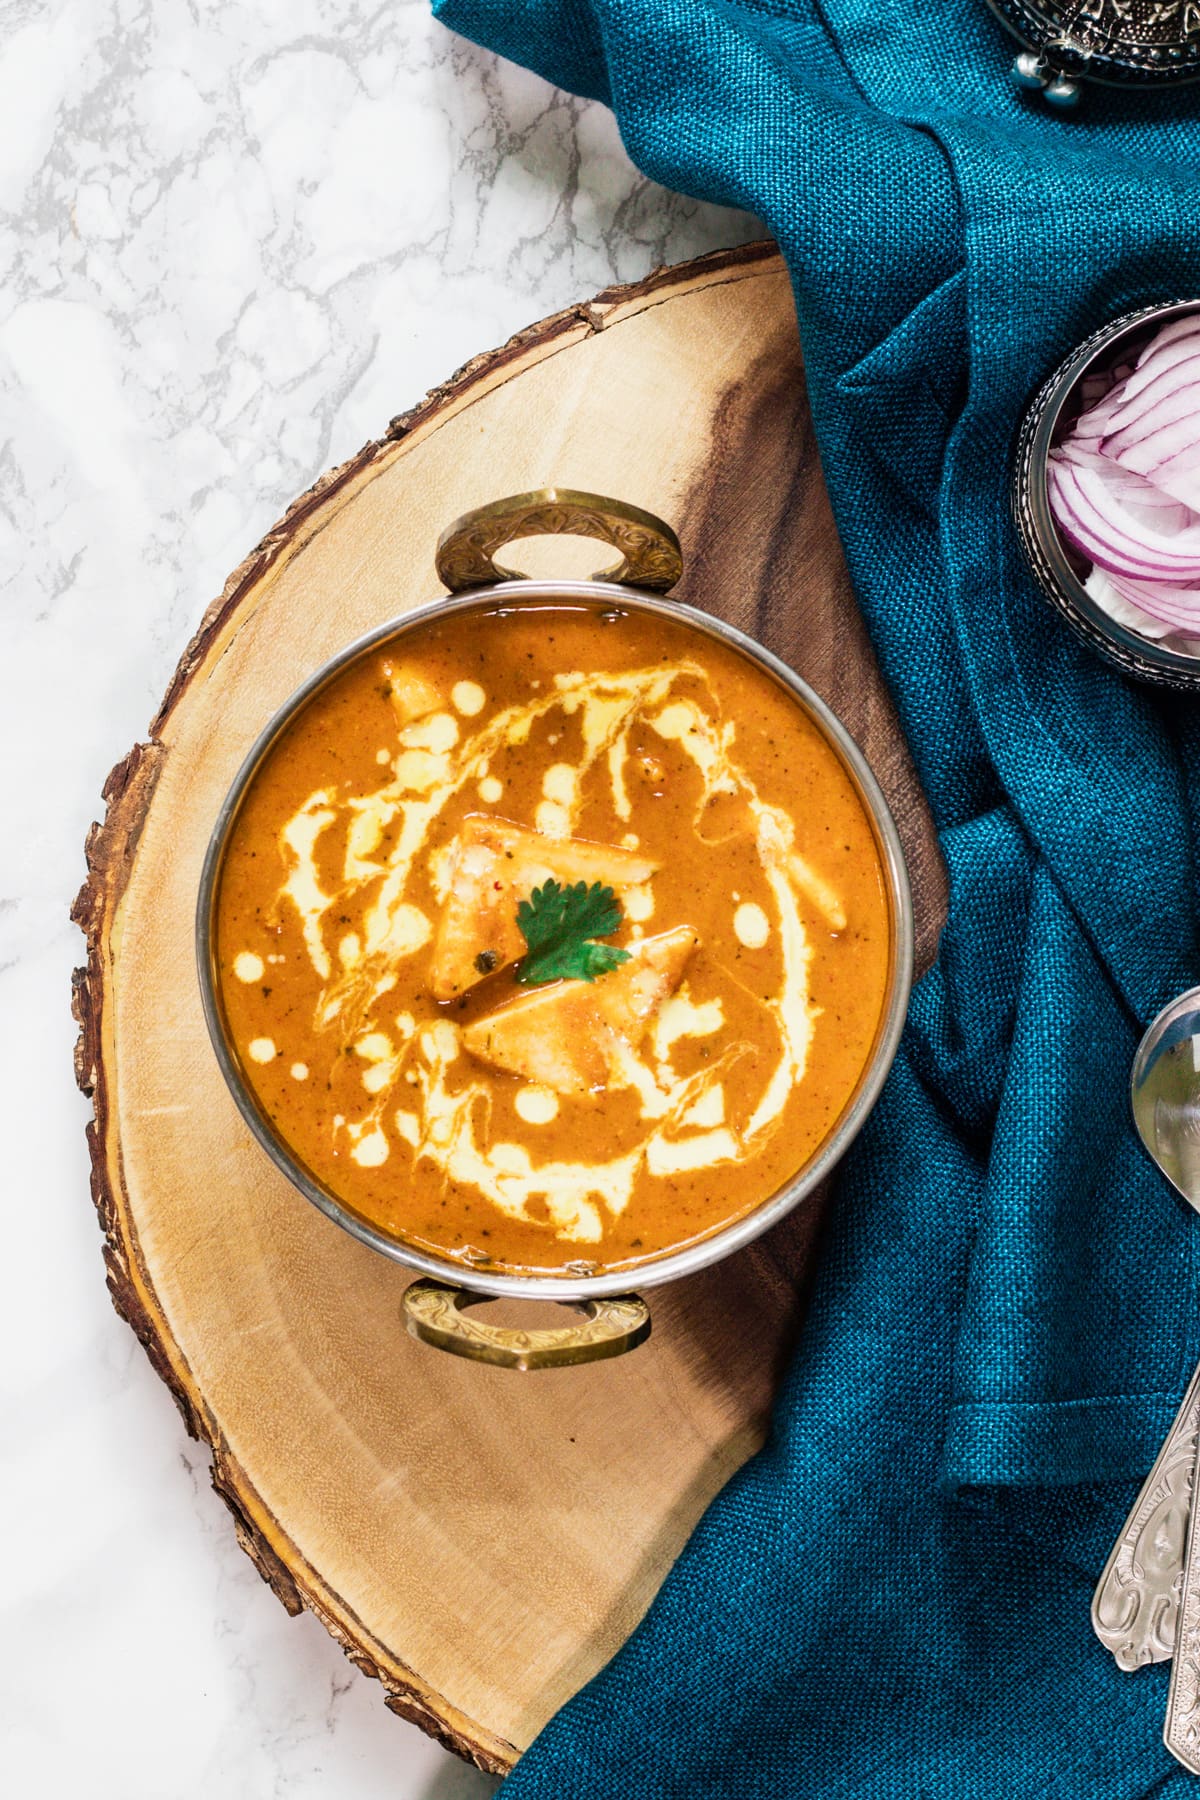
(412, 697)
(497, 864)
(577, 1036)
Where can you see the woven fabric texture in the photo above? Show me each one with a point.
(891, 1600)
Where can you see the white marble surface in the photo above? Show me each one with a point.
(236, 238)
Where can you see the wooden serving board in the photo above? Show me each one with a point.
(479, 1540)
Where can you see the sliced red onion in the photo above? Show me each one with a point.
(1124, 484)
(1171, 608)
(1111, 598)
(1098, 419)
(1181, 479)
(1131, 487)
(1181, 631)
(1183, 326)
(1161, 422)
(1174, 344)
(1126, 401)
(1087, 506)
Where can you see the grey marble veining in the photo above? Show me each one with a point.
(235, 240)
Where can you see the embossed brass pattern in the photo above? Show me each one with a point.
(436, 1313)
(650, 555)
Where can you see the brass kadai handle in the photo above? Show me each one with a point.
(435, 1312)
(650, 553)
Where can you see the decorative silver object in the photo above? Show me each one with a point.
(1056, 569)
(1181, 1734)
(1147, 43)
(1147, 1604)
(1136, 1608)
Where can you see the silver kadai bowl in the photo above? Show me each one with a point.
(614, 1319)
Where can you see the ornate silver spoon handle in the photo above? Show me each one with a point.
(1136, 1604)
(1181, 1733)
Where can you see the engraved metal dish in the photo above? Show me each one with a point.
(1123, 43)
(1060, 572)
(651, 562)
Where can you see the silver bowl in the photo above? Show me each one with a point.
(434, 1306)
(1057, 567)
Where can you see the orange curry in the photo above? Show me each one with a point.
(650, 805)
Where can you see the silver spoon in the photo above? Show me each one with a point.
(1136, 1608)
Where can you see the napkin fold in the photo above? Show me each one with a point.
(891, 1600)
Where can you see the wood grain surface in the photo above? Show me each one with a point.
(480, 1541)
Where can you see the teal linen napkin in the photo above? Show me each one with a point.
(892, 1599)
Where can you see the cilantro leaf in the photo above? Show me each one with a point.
(559, 924)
